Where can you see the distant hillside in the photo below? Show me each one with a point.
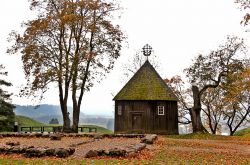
(42, 113)
(33, 111)
(45, 112)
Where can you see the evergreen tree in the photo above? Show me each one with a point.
(7, 115)
(54, 121)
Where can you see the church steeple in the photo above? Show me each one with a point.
(147, 50)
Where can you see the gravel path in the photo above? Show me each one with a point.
(43, 142)
(105, 144)
(66, 142)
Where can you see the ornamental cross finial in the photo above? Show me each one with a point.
(147, 50)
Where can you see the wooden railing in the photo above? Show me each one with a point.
(53, 129)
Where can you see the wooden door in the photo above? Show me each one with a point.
(137, 121)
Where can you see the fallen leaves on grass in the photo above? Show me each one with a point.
(201, 151)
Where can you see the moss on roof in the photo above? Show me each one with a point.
(146, 84)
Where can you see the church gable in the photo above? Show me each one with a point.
(146, 84)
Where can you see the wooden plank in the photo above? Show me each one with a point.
(151, 121)
(26, 127)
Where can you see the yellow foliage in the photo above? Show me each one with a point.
(237, 85)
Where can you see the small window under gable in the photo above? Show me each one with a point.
(119, 110)
(161, 110)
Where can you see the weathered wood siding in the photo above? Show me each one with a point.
(142, 117)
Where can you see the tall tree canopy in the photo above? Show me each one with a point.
(223, 97)
(237, 99)
(72, 43)
(208, 71)
(6, 108)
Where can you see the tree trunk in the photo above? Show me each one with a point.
(66, 121)
(215, 128)
(230, 130)
(74, 97)
(75, 109)
(77, 103)
(76, 113)
(210, 122)
(196, 121)
(64, 109)
(196, 111)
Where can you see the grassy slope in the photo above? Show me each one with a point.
(243, 132)
(197, 136)
(26, 121)
(100, 129)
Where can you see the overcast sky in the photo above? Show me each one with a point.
(177, 30)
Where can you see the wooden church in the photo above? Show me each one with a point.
(146, 104)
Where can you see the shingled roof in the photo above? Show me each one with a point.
(146, 84)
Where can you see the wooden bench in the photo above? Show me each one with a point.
(25, 128)
(90, 129)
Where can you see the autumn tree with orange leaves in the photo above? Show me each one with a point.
(228, 104)
(237, 99)
(209, 71)
(71, 43)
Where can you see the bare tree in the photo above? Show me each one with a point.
(244, 4)
(183, 94)
(213, 106)
(133, 64)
